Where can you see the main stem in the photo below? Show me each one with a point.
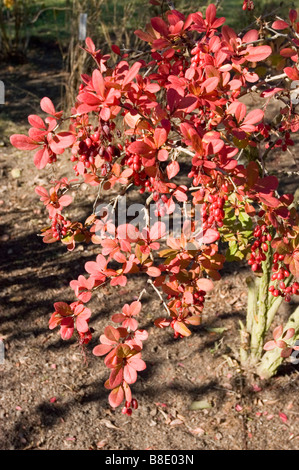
(258, 306)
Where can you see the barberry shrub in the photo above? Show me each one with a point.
(139, 125)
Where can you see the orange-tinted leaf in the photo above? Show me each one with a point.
(116, 396)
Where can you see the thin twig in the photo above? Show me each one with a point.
(160, 296)
(46, 9)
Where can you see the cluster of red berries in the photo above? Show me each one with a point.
(95, 141)
(264, 129)
(129, 407)
(139, 176)
(285, 142)
(59, 226)
(259, 247)
(196, 56)
(52, 156)
(279, 276)
(85, 338)
(212, 211)
(248, 5)
(134, 162)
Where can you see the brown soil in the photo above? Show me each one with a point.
(243, 412)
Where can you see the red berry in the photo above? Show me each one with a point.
(134, 404)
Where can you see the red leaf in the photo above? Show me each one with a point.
(210, 84)
(289, 333)
(181, 328)
(270, 92)
(211, 14)
(36, 121)
(288, 52)
(157, 231)
(139, 147)
(135, 308)
(152, 271)
(258, 53)
(98, 83)
(131, 74)
(160, 26)
(269, 345)
(162, 155)
(172, 169)
(81, 325)
(293, 15)
(294, 265)
(161, 322)
(160, 136)
(22, 142)
(116, 377)
(143, 36)
(137, 363)
(280, 24)
(47, 106)
(115, 49)
(62, 308)
(105, 114)
(112, 333)
(204, 284)
(194, 320)
(90, 45)
(65, 200)
(210, 236)
(283, 417)
(270, 201)
(130, 323)
(277, 332)
(292, 73)
(116, 396)
(41, 158)
(254, 116)
(118, 318)
(130, 374)
(41, 191)
(286, 352)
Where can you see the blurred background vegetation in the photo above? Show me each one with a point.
(52, 25)
(25, 21)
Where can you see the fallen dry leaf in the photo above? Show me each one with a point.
(283, 417)
(176, 422)
(102, 443)
(108, 424)
(197, 432)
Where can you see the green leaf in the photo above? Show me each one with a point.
(216, 330)
(200, 405)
